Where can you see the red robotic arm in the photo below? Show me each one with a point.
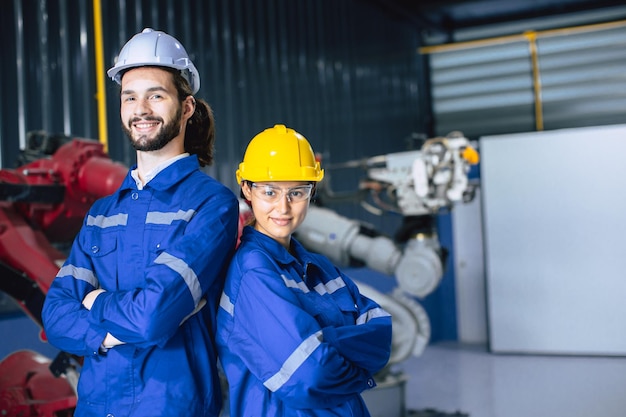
(42, 206)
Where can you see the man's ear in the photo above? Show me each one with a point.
(189, 106)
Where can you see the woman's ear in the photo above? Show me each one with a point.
(245, 190)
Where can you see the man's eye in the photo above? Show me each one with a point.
(270, 192)
(295, 193)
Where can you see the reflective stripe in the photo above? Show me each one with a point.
(290, 283)
(226, 304)
(330, 287)
(190, 277)
(110, 221)
(82, 274)
(161, 217)
(372, 314)
(293, 362)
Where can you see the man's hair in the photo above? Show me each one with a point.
(200, 132)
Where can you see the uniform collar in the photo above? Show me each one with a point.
(275, 249)
(154, 172)
(168, 176)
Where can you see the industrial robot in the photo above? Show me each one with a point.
(418, 185)
(44, 200)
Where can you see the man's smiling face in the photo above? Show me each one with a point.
(151, 112)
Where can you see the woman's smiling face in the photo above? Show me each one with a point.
(278, 219)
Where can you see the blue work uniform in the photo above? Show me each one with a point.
(294, 335)
(156, 251)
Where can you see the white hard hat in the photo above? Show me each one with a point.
(155, 48)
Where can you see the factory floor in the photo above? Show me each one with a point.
(455, 380)
(460, 380)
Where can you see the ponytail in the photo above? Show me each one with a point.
(200, 131)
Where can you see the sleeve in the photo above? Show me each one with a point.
(190, 268)
(64, 318)
(284, 347)
(367, 342)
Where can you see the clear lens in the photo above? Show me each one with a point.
(273, 194)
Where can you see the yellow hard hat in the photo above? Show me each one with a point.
(279, 154)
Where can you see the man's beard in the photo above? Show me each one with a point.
(164, 136)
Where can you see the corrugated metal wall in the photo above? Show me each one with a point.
(339, 72)
(489, 87)
(46, 71)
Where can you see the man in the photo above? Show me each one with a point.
(130, 296)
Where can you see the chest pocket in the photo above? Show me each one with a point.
(101, 248)
(97, 244)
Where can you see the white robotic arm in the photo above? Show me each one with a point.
(425, 180)
(417, 267)
(418, 183)
(413, 183)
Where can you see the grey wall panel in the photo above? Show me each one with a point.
(554, 227)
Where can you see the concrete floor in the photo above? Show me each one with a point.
(468, 379)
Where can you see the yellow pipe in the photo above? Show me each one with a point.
(534, 59)
(519, 38)
(100, 90)
(457, 46)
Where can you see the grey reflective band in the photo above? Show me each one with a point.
(372, 314)
(104, 222)
(190, 277)
(160, 217)
(293, 362)
(82, 274)
(290, 283)
(330, 287)
(226, 304)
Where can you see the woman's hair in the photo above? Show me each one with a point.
(200, 132)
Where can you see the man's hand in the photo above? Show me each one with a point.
(91, 297)
(110, 341)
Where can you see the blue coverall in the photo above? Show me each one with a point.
(157, 252)
(294, 335)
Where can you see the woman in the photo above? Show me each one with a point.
(294, 335)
